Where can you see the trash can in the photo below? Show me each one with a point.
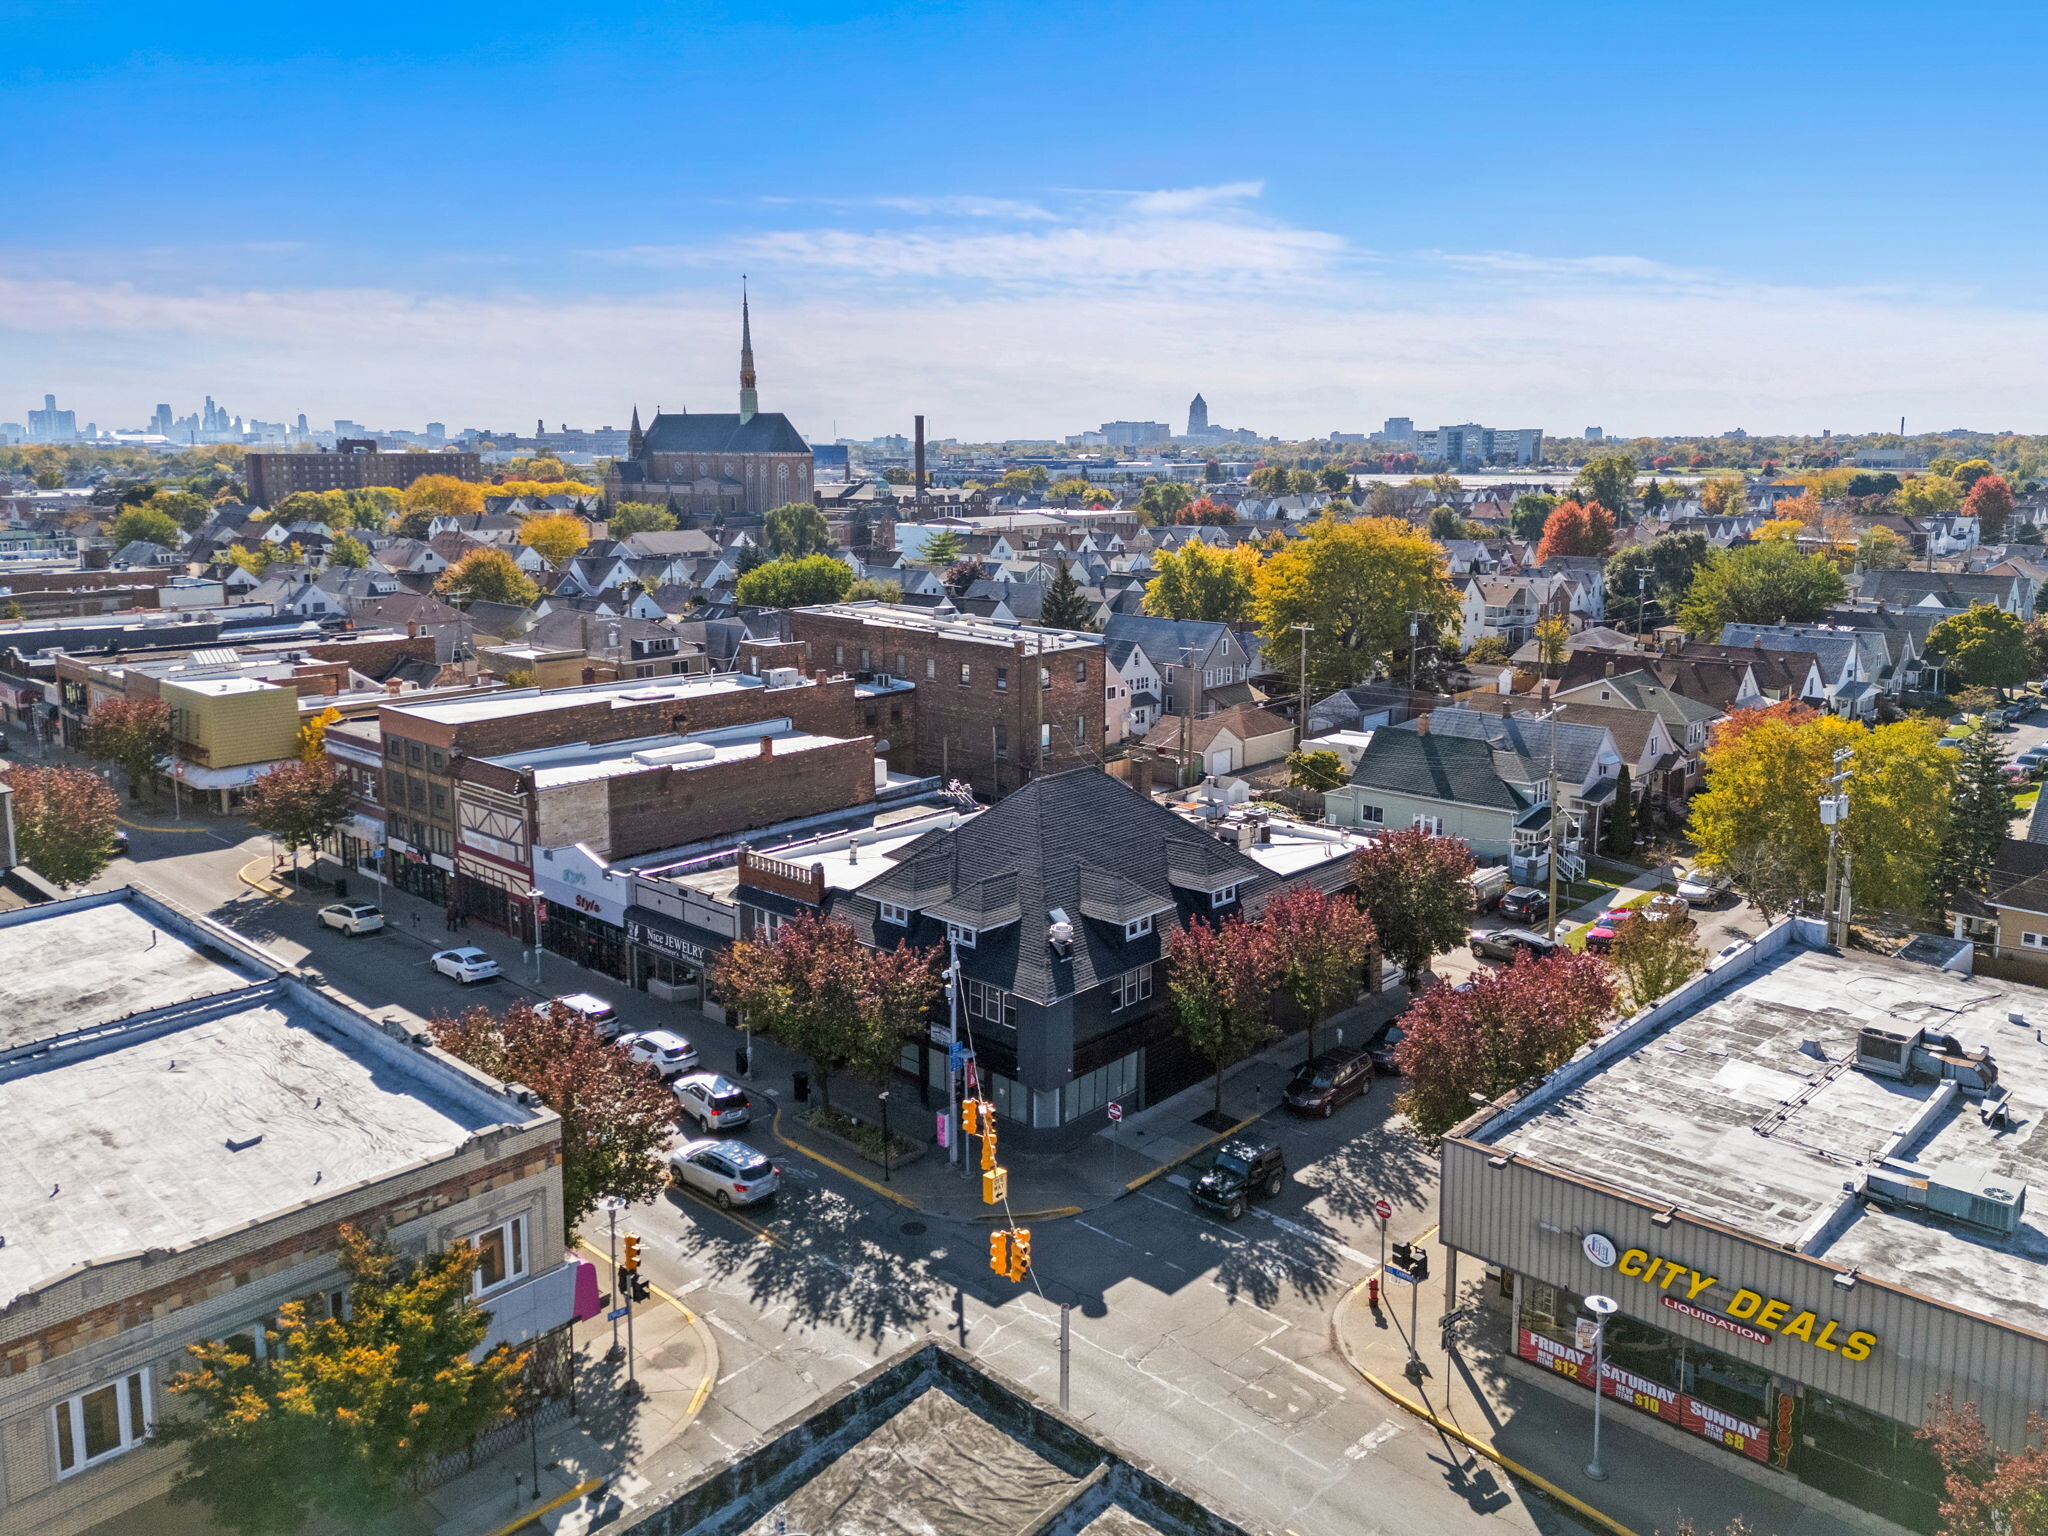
(800, 1087)
(739, 1060)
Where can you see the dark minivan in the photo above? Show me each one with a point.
(1333, 1078)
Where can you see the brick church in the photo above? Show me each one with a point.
(746, 461)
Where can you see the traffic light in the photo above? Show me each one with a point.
(637, 1287)
(1020, 1253)
(1404, 1255)
(631, 1260)
(988, 1149)
(970, 1116)
(1420, 1268)
(995, 1186)
(999, 1250)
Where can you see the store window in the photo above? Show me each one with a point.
(99, 1425)
(500, 1256)
(1089, 1092)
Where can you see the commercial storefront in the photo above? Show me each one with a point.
(1800, 1184)
(583, 904)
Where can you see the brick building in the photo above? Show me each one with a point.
(355, 464)
(249, 1115)
(996, 704)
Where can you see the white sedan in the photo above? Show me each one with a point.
(730, 1172)
(352, 917)
(466, 965)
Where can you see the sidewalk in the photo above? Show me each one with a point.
(1540, 1433)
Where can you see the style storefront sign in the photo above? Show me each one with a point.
(1688, 1413)
(1747, 1314)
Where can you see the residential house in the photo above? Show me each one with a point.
(1195, 658)
(1131, 694)
(1846, 659)
(1229, 741)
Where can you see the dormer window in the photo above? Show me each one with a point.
(962, 936)
(1222, 896)
(891, 913)
(1139, 929)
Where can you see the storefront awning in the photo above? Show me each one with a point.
(194, 777)
(672, 936)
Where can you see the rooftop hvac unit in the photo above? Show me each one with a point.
(1926, 1055)
(1958, 1193)
(784, 677)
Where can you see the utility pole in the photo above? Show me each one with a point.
(1834, 814)
(1301, 687)
(952, 1050)
(1549, 717)
(1187, 706)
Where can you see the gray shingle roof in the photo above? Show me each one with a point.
(1436, 768)
(724, 432)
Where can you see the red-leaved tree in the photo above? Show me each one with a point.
(1576, 528)
(63, 822)
(1990, 502)
(302, 803)
(1414, 888)
(1321, 943)
(616, 1116)
(1988, 1491)
(1203, 510)
(134, 731)
(1222, 977)
(1504, 1027)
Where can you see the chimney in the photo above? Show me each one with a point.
(1610, 667)
(1422, 723)
(920, 461)
(330, 685)
(767, 746)
(412, 629)
(1140, 776)
(392, 687)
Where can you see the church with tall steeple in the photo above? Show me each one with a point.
(711, 462)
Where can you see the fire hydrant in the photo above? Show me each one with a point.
(1372, 1293)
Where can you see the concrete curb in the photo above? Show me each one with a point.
(1192, 1152)
(775, 1127)
(540, 1511)
(272, 888)
(1471, 1442)
(706, 1340)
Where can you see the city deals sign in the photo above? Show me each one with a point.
(1746, 1313)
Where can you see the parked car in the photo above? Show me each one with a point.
(1995, 720)
(1488, 886)
(352, 917)
(1953, 743)
(1506, 943)
(730, 1172)
(1245, 1169)
(590, 1006)
(667, 1053)
(1600, 937)
(1702, 887)
(1526, 903)
(1382, 1049)
(466, 965)
(1332, 1078)
(713, 1102)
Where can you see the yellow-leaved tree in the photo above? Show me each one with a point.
(1355, 584)
(442, 496)
(1199, 581)
(555, 536)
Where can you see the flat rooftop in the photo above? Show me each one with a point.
(902, 617)
(237, 1095)
(498, 704)
(580, 762)
(1751, 1112)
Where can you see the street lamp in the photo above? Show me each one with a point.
(884, 1097)
(533, 900)
(1602, 1308)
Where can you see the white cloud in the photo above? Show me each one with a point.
(1171, 201)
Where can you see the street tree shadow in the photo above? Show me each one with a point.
(1255, 1261)
(1386, 1159)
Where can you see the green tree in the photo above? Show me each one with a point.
(617, 1120)
(1320, 769)
(1221, 978)
(1212, 472)
(344, 1411)
(301, 803)
(1335, 477)
(1531, 510)
(1979, 820)
(1064, 606)
(1489, 651)
(1621, 821)
(11, 610)
(1655, 954)
(631, 517)
(1760, 584)
(1608, 480)
(349, 552)
(187, 508)
(1414, 887)
(133, 730)
(1927, 495)
(796, 529)
(1355, 584)
(149, 525)
(1199, 581)
(64, 822)
(1162, 500)
(1880, 549)
(795, 583)
(1445, 524)
(1871, 484)
(488, 575)
(1982, 647)
(942, 548)
(874, 589)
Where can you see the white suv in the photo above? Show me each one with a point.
(352, 917)
(713, 1102)
(665, 1051)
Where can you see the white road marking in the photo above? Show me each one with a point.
(724, 1327)
(692, 1285)
(1319, 1379)
(1367, 1443)
(1292, 1228)
(1110, 1235)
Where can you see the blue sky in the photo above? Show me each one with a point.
(1027, 217)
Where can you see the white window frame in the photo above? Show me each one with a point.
(1139, 929)
(891, 913)
(516, 1250)
(962, 935)
(2034, 940)
(1223, 896)
(1372, 815)
(131, 1398)
(1433, 825)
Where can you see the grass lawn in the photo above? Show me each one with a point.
(2025, 801)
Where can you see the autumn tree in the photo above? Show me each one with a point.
(313, 735)
(1221, 977)
(1880, 549)
(795, 583)
(796, 529)
(631, 517)
(1203, 512)
(1757, 818)
(1505, 1026)
(1199, 581)
(1606, 480)
(1760, 584)
(1319, 769)
(617, 1117)
(64, 822)
(1356, 584)
(487, 575)
(442, 496)
(301, 803)
(134, 731)
(554, 536)
(1064, 606)
(348, 552)
(342, 1413)
(1654, 953)
(147, 525)
(1982, 647)
(1553, 639)
(1414, 887)
(1489, 651)
(1723, 495)
(188, 509)
(1927, 495)
(1987, 1490)
(1321, 945)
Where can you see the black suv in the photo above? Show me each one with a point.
(1335, 1077)
(1244, 1170)
(1525, 902)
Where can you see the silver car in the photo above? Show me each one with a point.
(730, 1172)
(714, 1102)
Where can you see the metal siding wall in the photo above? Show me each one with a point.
(1922, 1348)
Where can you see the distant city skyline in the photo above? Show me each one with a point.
(1305, 268)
